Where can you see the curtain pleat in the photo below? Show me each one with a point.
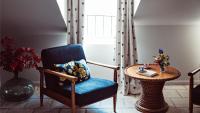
(126, 51)
(75, 21)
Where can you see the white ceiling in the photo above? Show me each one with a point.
(168, 12)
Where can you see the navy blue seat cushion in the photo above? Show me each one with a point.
(91, 90)
(60, 55)
(196, 95)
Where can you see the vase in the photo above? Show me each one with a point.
(17, 89)
(162, 68)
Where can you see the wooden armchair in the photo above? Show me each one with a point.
(194, 92)
(75, 94)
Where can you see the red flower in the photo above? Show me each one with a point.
(16, 59)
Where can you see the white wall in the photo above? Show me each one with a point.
(34, 23)
(173, 25)
(181, 43)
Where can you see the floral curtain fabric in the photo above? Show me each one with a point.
(126, 51)
(75, 17)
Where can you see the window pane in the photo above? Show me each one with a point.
(100, 19)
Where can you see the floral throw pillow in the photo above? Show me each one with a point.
(74, 68)
(81, 70)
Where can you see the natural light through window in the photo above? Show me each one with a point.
(63, 9)
(100, 21)
(136, 4)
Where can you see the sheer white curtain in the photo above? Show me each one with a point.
(75, 17)
(126, 51)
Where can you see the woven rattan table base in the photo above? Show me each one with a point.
(151, 99)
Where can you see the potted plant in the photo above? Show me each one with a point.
(162, 60)
(15, 60)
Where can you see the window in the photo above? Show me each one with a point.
(100, 21)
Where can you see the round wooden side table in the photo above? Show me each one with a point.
(151, 99)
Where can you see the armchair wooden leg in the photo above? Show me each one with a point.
(41, 99)
(114, 103)
(41, 87)
(73, 97)
(190, 95)
(190, 107)
(73, 108)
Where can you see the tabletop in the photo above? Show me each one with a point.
(169, 74)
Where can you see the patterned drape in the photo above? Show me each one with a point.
(75, 17)
(126, 51)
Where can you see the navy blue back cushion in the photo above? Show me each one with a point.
(60, 55)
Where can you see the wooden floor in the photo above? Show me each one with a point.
(176, 96)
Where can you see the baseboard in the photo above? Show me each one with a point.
(181, 82)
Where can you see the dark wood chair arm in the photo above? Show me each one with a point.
(194, 72)
(103, 65)
(58, 74)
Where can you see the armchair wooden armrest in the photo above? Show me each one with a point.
(58, 74)
(191, 74)
(103, 65)
(107, 66)
(194, 72)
